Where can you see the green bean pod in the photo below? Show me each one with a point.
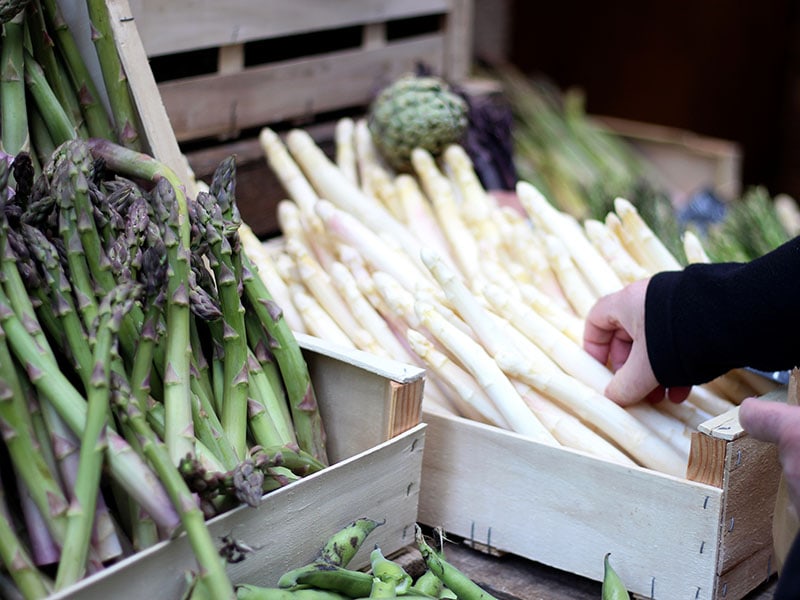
(254, 592)
(342, 546)
(388, 571)
(463, 587)
(324, 576)
(613, 587)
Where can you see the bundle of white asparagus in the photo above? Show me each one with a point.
(489, 297)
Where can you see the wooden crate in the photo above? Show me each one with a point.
(224, 70)
(371, 409)
(684, 162)
(707, 536)
(226, 67)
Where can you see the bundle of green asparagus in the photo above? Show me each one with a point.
(136, 341)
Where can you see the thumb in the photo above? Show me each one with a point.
(634, 380)
(768, 420)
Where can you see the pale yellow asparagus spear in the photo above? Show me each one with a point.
(493, 381)
(366, 314)
(261, 258)
(565, 321)
(591, 407)
(672, 430)
(344, 138)
(383, 189)
(565, 352)
(576, 290)
(379, 254)
(693, 248)
(318, 283)
(601, 277)
(418, 213)
(471, 401)
(331, 184)
(366, 155)
(568, 429)
(440, 193)
(686, 412)
(288, 172)
(653, 250)
(318, 322)
(609, 245)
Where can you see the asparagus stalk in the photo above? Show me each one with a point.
(13, 111)
(97, 120)
(81, 514)
(57, 121)
(116, 82)
(300, 393)
(30, 582)
(170, 199)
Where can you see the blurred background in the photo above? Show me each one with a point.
(722, 69)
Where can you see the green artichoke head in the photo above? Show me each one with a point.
(416, 111)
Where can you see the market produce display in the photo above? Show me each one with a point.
(430, 268)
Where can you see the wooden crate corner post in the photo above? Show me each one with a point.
(748, 472)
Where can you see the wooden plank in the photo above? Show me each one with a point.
(565, 509)
(752, 472)
(344, 377)
(156, 127)
(749, 575)
(707, 460)
(170, 26)
(458, 40)
(210, 105)
(288, 528)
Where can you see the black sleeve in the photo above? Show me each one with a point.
(709, 318)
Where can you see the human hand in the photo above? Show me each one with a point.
(614, 334)
(779, 424)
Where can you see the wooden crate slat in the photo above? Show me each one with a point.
(217, 104)
(565, 509)
(171, 26)
(288, 528)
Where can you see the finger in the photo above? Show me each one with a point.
(618, 352)
(596, 341)
(767, 420)
(634, 380)
(678, 394)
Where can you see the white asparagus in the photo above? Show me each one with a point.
(486, 371)
(685, 411)
(653, 249)
(332, 185)
(565, 321)
(471, 401)
(609, 245)
(576, 289)
(601, 277)
(591, 407)
(318, 322)
(568, 429)
(418, 214)
(440, 193)
(289, 174)
(693, 248)
(565, 352)
(366, 314)
(383, 189)
(318, 283)
(366, 154)
(376, 251)
(345, 156)
(260, 257)
(671, 430)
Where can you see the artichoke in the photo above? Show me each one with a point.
(10, 8)
(416, 111)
